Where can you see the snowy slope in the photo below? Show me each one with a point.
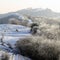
(11, 35)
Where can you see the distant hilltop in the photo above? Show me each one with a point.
(38, 12)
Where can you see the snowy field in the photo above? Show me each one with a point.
(10, 34)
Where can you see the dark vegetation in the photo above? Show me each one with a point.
(39, 49)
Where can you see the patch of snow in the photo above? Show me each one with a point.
(11, 35)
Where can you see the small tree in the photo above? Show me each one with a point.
(34, 28)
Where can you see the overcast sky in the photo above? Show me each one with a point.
(14, 5)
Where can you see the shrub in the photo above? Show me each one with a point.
(4, 57)
(24, 23)
(38, 49)
(14, 21)
(18, 22)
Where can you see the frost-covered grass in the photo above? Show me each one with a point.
(49, 28)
